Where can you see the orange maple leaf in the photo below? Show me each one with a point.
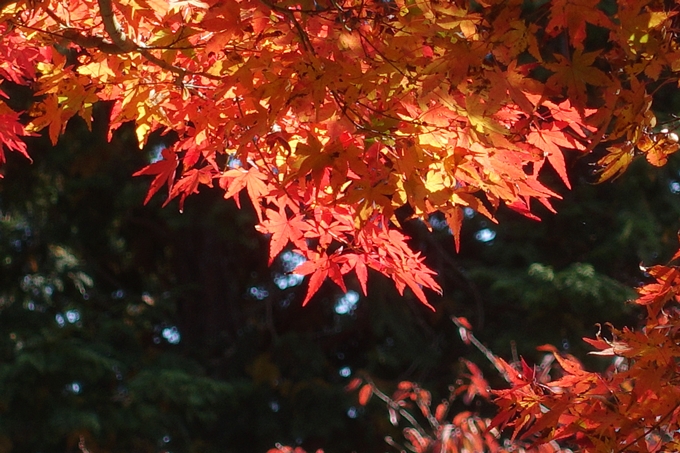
(575, 74)
(253, 181)
(283, 231)
(572, 15)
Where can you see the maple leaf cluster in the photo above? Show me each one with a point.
(431, 428)
(559, 406)
(332, 114)
(634, 406)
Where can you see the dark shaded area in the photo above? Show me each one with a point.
(140, 329)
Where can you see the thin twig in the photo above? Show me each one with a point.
(391, 403)
(486, 351)
(290, 15)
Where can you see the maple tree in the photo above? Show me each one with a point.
(333, 116)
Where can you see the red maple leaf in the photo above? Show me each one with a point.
(358, 263)
(322, 267)
(477, 386)
(329, 225)
(164, 170)
(11, 131)
(548, 139)
(189, 183)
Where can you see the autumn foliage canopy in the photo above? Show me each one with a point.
(335, 117)
(332, 115)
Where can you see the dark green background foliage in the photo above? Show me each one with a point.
(141, 329)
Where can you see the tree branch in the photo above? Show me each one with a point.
(92, 42)
(113, 27)
(290, 15)
(120, 40)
